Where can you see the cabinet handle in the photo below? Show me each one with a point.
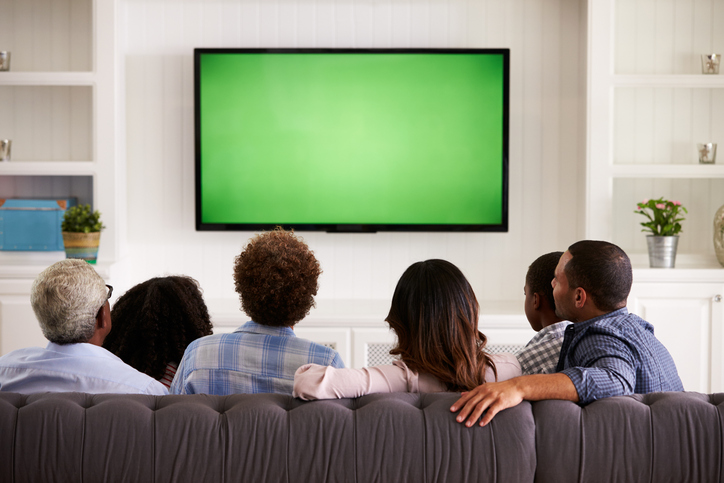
(717, 298)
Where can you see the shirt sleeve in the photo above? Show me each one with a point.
(605, 367)
(312, 381)
(154, 389)
(178, 385)
(506, 365)
(337, 361)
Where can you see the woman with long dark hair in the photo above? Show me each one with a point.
(154, 322)
(434, 314)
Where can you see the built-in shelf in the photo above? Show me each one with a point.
(47, 78)
(47, 168)
(691, 170)
(700, 81)
(26, 265)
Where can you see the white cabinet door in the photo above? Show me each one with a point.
(18, 326)
(687, 319)
(371, 347)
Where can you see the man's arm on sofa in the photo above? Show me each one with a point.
(496, 396)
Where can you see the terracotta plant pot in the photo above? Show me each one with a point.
(82, 245)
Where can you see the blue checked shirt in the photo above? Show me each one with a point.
(254, 358)
(616, 354)
(540, 355)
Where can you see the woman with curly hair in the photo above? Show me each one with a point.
(434, 314)
(155, 321)
(276, 279)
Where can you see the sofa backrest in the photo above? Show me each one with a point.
(658, 437)
(257, 437)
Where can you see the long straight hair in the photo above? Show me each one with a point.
(434, 313)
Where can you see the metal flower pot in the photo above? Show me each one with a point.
(662, 250)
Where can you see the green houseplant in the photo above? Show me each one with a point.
(81, 228)
(663, 219)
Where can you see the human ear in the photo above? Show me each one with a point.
(580, 298)
(536, 301)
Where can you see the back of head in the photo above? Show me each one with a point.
(155, 321)
(603, 270)
(434, 314)
(540, 274)
(276, 278)
(66, 298)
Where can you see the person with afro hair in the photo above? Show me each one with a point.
(276, 279)
(155, 321)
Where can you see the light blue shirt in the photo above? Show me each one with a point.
(72, 368)
(254, 358)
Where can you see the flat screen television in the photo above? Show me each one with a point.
(352, 139)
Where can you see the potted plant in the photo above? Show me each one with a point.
(81, 229)
(663, 222)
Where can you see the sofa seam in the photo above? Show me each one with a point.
(82, 442)
(581, 449)
(653, 443)
(153, 440)
(354, 439)
(289, 437)
(721, 444)
(15, 439)
(424, 440)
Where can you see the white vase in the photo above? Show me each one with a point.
(719, 234)
(662, 250)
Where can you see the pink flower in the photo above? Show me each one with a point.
(676, 203)
(645, 201)
(660, 206)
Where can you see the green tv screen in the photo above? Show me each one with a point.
(351, 140)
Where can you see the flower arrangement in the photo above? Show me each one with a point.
(663, 216)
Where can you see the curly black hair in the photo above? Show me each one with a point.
(276, 278)
(154, 321)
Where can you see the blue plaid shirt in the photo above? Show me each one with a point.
(616, 354)
(254, 358)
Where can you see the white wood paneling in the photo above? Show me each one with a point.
(47, 35)
(546, 132)
(701, 197)
(663, 125)
(47, 123)
(666, 36)
(18, 325)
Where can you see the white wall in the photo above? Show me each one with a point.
(547, 129)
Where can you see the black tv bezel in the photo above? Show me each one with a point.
(352, 228)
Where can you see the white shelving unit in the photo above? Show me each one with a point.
(62, 109)
(648, 107)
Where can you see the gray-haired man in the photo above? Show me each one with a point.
(70, 301)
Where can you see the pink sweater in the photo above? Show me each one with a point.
(312, 381)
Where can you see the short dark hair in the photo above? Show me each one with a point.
(276, 278)
(603, 270)
(154, 322)
(540, 275)
(434, 314)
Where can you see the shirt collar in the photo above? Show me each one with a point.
(81, 349)
(616, 313)
(254, 328)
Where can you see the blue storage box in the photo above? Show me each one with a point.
(32, 225)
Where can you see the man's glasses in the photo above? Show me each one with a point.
(110, 292)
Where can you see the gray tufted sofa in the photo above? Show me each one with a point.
(383, 438)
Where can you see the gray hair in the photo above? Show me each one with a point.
(66, 297)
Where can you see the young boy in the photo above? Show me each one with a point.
(540, 355)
